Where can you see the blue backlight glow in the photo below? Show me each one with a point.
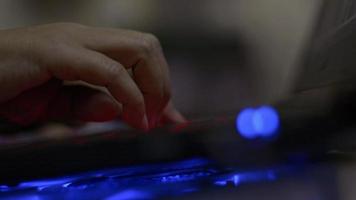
(130, 195)
(260, 122)
(246, 177)
(150, 181)
(47, 183)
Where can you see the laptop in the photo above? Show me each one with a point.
(259, 144)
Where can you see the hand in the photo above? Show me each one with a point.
(35, 61)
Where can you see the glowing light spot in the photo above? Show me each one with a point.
(245, 125)
(236, 180)
(220, 183)
(269, 120)
(261, 122)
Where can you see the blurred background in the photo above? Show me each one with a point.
(222, 54)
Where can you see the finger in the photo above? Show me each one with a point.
(172, 115)
(167, 102)
(98, 69)
(143, 53)
(153, 86)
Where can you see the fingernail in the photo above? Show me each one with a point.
(136, 121)
(144, 123)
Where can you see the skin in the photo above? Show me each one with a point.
(129, 65)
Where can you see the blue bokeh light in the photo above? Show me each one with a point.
(260, 122)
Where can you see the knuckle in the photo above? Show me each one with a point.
(113, 67)
(149, 42)
(113, 70)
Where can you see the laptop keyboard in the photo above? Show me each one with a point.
(152, 181)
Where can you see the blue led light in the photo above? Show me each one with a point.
(261, 122)
(246, 177)
(185, 176)
(130, 194)
(46, 183)
(220, 183)
(236, 180)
